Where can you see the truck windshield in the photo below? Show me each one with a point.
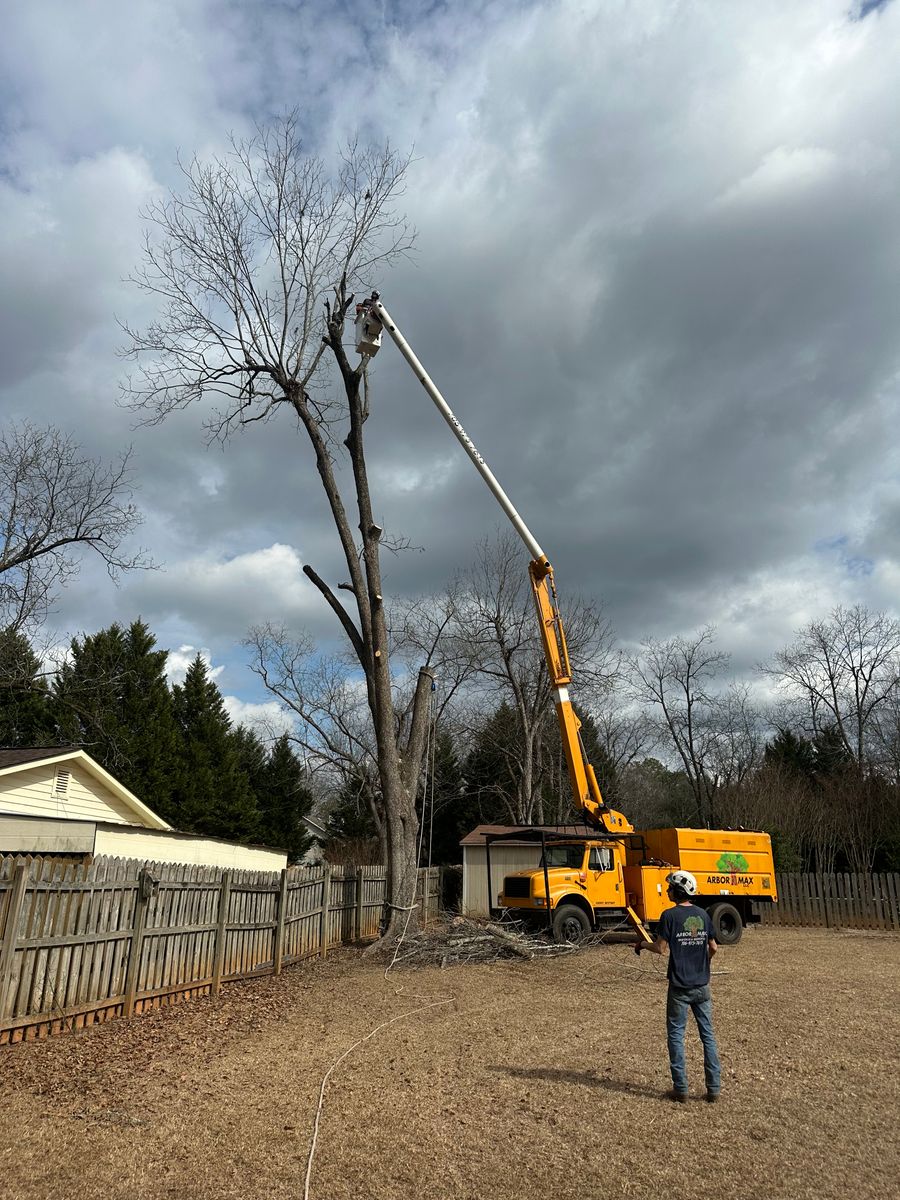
(564, 856)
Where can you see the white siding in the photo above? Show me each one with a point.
(31, 791)
(149, 846)
(36, 835)
(504, 861)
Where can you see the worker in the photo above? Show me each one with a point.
(687, 932)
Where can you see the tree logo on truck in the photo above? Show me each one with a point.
(732, 863)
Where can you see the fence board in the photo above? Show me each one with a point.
(842, 900)
(893, 883)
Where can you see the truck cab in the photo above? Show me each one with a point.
(586, 883)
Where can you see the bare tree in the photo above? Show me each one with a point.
(255, 265)
(496, 623)
(655, 796)
(54, 502)
(711, 732)
(624, 730)
(805, 817)
(737, 741)
(845, 669)
(884, 744)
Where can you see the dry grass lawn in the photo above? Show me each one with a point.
(538, 1080)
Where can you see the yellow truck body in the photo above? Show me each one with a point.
(597, 881)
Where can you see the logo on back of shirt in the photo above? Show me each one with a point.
(694, 925)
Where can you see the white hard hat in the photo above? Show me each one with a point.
(684, 881)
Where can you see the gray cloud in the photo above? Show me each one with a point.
(655, 278)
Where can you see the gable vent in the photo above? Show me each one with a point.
(62, 782)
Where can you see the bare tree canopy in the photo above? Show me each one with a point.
(54, 502)
(714, 731)
(845, 670)
(495, 629)
(254, 265)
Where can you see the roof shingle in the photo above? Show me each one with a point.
(30, 754)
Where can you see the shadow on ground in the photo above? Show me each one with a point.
(585, 1078)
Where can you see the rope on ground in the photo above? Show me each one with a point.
(409, 909)
(337, 1062)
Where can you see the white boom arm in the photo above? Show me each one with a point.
(368, 340)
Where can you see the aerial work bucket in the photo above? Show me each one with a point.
(368, 331)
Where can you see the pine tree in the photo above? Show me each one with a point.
(791, 754)
(832, 757)
(284, 800)
(351, 817)
(490, 772)
(26, 716)
(454, 812)
(353, 834)
(252, 756)
(213, 793)
(559, 803)
(113, 699)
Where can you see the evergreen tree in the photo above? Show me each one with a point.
(353, 834)
(213, 793)
(559, 803)
(448, 812)
(112, 698)
(252, 756)
(490, 772)
(284, 800)
(791, 754)
(26, 716)
(832, 758)
(351, 817)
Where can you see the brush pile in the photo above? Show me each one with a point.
(461, 940)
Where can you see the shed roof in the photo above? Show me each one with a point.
(480, 832)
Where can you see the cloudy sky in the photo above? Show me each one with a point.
(657, 276)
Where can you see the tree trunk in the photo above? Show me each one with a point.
(399, 775)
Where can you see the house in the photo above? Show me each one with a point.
(507, 857)
(58, 800)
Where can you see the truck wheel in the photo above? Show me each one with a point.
(727, 924)
(570, 924)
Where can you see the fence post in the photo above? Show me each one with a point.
(891, 881)
(15, 899)
(359, 903)
(323, 911)
(279, 926)
(141, 901)
(221, 931)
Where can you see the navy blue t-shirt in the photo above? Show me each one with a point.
(688, 931)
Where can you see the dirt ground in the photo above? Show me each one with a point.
(542, 1079)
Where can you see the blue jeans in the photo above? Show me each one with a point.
(699, 1001)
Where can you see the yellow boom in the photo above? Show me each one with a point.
(371, 318)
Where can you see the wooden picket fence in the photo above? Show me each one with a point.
(835, 901)
(80, 944)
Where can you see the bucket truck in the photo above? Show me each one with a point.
(616, 873)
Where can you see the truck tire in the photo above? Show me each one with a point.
(570, 924)
(727, 924)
